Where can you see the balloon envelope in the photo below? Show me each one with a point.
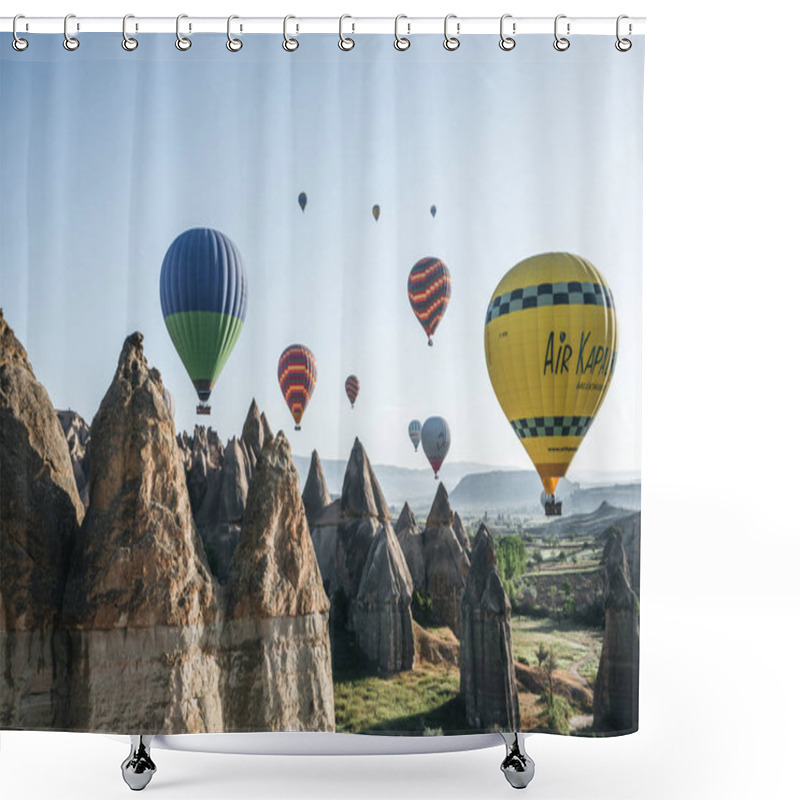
(429, 293)
(351, 388)
(376, 212)
(550, 339)
(297, 377)
(204, 302)
(302, 199)
(414, 432)
(435, 441)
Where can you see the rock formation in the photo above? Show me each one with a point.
(316, 497)
(616, 690)
(140, 601)
(218, 480)
(461, 534)
(411, 543)
(382, 614)
(77, 434)
(40, 512)
(488, 680)
(362, 512)
(446, 563)
(277, 658)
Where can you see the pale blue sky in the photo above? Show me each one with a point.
(106, 156)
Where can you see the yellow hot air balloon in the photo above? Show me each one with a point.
(551, 346)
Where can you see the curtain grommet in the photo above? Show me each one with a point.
(70, 43)
(233, 44)
(346, 43)
(183, 43)
(507, 42)
(129, 43)
(401, 43)
(622, 44)
(561, 43)
(451, 43)
(18, 43)
(289, 43)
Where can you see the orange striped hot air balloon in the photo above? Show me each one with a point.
(351, 387)
(429, 293)
(297, 376)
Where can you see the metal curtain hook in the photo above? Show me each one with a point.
(289, 44)
(128, 42)
(507, 42)
(451, 42)
(623, 45)
(18, 43)
(70, 42)
(400, 42)
(181, 42)
(345, 42)
(561, 43)
(233, 44)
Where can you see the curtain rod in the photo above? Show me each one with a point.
(406, 25)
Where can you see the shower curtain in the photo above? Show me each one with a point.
(320, 388)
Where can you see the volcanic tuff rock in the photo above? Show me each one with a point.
(488, 680)
(616, 690)
(77, 434)
(140, 601)
(361, 494)
(461, 534)
(382, 614)
(40, 512)
(411, 543)
(254, 432)
(316, 497)
(446, 563)
(277, 662)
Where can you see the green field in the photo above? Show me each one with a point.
(576, 648)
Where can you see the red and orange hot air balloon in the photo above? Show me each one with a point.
(297, 376)
(429, 293)
(351, 387)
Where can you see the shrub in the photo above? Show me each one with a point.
(422, 608)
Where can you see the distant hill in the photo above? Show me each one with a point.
(399, 484)
(520, 491)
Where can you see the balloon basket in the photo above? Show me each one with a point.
(297, 427)
(204, 410)
(552, 509)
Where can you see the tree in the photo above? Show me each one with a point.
(542, 653)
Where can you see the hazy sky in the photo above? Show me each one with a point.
(106, 156)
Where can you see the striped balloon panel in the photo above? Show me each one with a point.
(297, 376)
(429, 292)
(351, 387)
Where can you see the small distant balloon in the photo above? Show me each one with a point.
(433, 211)
(302, 199)
(297, 376)
(376, 212)
(414, 432)
(351, 387)
(436, 442)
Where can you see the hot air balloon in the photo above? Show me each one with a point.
(376, 212)
(415, 432)
(297, 376)
(203, 300)
(351, 387)
(302, 199)
(433, 211)
(551, 345)
(435, 442)
(429, 293)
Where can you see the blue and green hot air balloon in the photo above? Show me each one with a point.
(204, 301)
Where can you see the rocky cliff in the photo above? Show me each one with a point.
(40, 511)
(316, 497)
(382, 614)
(276, 650)
(77, 433)
(488, 681)
(446, 563)
(461, 533)
(616, 690)
(411, 543)
(140, 603)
